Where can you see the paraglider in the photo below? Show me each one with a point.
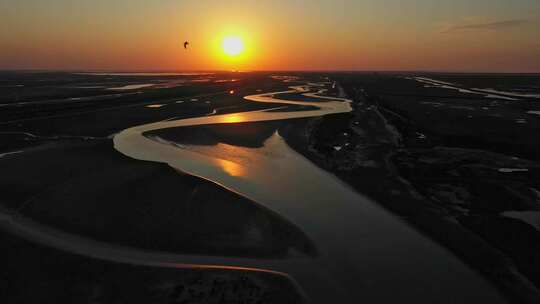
(186, 45)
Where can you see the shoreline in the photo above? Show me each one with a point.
(426, 217)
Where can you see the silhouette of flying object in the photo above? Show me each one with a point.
(186, 45)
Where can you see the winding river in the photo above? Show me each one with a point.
(367, 255)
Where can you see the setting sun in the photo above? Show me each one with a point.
(232, 46)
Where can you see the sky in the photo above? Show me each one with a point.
(136, 35)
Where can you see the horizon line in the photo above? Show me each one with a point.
(69, 70)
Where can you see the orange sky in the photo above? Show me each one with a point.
(494, 35)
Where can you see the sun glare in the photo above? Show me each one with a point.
(232, 46)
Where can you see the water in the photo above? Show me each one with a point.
(132, 87)
(366, 254)
(447, 85)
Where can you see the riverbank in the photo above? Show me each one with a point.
(105, 196)
(368, 151)
(45, 275)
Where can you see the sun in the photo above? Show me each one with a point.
(232, 46)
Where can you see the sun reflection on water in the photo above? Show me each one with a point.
(234, 118)
(231, 168)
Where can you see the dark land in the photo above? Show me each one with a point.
(70, 178)
(462, 168)
(440, 158)
(33, 273)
